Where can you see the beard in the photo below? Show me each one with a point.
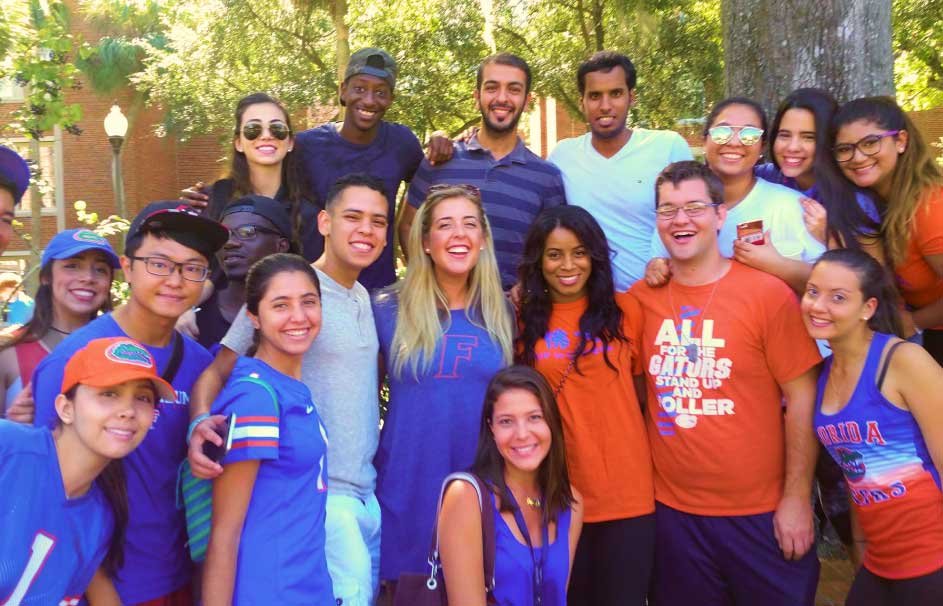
(507, 127)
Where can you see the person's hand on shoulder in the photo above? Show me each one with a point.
(439, 149)
(196, 195)
(186, 324)
(658, 272)
(816, 219)
(23, 408)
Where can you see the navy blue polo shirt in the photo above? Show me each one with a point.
(514, 190)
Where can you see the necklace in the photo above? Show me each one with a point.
(692, 350)
(59, 330)
(535, 503)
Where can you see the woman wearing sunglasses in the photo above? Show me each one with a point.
(800, 150)
(878, 149)
(780, 244)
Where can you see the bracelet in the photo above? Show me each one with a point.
(196, 421)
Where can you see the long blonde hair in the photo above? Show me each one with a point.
(423, 315)
(915, 176)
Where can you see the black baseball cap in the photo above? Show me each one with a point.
(14, 168)
(265, 207)
(373, 62)
(187, 225)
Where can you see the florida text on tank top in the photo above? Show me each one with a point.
(893, 482)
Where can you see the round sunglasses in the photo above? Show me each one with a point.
(253, 130)
(748, 135)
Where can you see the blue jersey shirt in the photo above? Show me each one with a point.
(430, 431)
(51, 545)
(281, 553)
(392, 157)
(155, 557)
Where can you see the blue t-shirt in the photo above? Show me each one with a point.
(430, 431)
(393, 157)
(513, 189)
(769, 172)
(281, 553)
(155, 557)
(51, 545)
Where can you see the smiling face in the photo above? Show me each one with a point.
(355, 226)
(794, 144)
(566, 266)
(289, 315)
(874, 172)
(733, 159)
(502, 98)
(606, 102)
(163, 296)
(687, 238)
(237, 256)
(80, 284)
(265, 150)
(520, 430)
(455, 237)
(109, 421)
(833, 305)
(366, 98)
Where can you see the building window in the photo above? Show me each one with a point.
(10, 92)
(44, 172)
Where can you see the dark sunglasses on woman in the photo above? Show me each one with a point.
(253, 130)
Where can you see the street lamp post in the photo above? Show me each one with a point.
(116, 127)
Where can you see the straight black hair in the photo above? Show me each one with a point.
(875, 282)
(552, 475)
(605, 61)
(602, 320)
(508, 59)
(354, 180)
(847, 221)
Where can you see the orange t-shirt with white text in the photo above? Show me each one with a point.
(607, 450)
(919, 283)
(714, 361)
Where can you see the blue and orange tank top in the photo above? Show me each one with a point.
(893, 482)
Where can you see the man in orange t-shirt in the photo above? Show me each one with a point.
(724, 348)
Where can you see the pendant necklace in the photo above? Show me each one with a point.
(535, 503)
(692, 350)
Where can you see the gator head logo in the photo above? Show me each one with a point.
(127, 352)
(851, 463)
(89, 237)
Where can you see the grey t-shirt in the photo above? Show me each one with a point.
(340, 369)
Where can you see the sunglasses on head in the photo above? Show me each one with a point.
(277, 128)
(748, 135)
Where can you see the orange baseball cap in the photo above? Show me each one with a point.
(113, 361)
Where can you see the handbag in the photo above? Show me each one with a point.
(429, 589)
(195, 495)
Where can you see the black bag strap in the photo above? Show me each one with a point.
(176, 356)
(887, 363)
(486, 505)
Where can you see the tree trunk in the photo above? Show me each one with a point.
(772, 47)
(342, 41)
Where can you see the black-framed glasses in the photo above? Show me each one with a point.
(748, 135)
(249, 231)
(253, 130)
(868, 146)
(159, 266)
(695, 208)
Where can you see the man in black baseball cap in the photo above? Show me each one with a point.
(166, 263)
(14, 181)
(258, 226)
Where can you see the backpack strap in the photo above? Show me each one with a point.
(254, 379)
(887, 363)
(486, 506)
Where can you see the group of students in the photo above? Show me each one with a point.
(636, 383)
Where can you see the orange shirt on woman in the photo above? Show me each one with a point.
(606, 442)
(919, 283)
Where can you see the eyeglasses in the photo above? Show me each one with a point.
(253, 130)
(691, 209)
(868, 146)
(249, 232)
(159, 266)
(748, 135)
